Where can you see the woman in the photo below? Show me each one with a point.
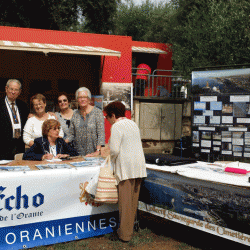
(49, 146)
(87, 126)
(128, 160)
(65, 114)
(33, 126)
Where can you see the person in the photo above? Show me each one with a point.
(33, 126)
(65, 114)
(143, 70)
(50, 145)
(87, 126)
(128, 160)
(13, 116)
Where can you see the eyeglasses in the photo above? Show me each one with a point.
(83, 97)
(37, 105)
(13, 90)
(64, 100)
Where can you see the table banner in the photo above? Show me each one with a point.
(50, 206)
(219, 209)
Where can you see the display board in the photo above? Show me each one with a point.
(221, 113)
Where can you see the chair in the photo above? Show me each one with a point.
(18, 157)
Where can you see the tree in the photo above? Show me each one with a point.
(98, 15)
(144, 22)
(43, 14)
(210, 33)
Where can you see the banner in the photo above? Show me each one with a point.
(50, 206)
(216, 208)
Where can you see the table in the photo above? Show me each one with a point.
(212, 206)
(43, 207)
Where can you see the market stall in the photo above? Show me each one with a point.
(43, 203)
(200, 195)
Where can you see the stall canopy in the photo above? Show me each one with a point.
(148, 50)
(57, 48)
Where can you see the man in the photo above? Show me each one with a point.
(13, 116)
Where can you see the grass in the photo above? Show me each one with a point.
(140, 238)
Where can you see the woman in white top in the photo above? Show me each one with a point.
(33, 126)
(129, 165)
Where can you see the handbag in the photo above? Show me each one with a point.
(106, 191)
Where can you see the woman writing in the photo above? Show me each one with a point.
(49, 146)
(33, 126)
(128, 160)
(65, 114)
(87, 126)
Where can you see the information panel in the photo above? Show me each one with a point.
(221, 112)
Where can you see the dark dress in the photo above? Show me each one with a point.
(41, 147)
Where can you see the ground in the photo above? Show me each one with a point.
(154, 233)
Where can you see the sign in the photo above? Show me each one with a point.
(197, 224)
(219, 209)
(50, 206)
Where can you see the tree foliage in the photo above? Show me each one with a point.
(210, 33)
(144, 22)
(98, 15)
(43, 14)
(202, 32)
(95, 15)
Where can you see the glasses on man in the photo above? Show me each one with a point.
(64, 100)
(13, 90)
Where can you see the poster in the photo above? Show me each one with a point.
(97, 101)
(122, 92)
(221, 105)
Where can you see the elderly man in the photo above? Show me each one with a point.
(13, 116)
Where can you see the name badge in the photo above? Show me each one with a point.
(17, 126)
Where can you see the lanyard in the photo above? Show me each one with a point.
(14, 115)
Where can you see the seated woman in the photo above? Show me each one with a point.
(49, 146)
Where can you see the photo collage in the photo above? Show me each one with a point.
(221, 125)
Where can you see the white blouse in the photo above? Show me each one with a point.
(126, 151)
(33, 129)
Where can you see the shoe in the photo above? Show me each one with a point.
(114, 236)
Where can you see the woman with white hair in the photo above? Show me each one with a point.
(87, 126)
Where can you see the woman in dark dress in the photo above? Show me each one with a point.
(49, 146)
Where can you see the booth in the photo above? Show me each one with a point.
(50, 62)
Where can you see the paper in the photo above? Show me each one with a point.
(239, 98)
(54, 160)
(227, 119)
(208, 98)
(4, 162)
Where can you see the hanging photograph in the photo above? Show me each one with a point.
(97, 100)
(221, 81)
(217, 136)
(227, 108)
(239, 109)
(122, 92)
(196, 136)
